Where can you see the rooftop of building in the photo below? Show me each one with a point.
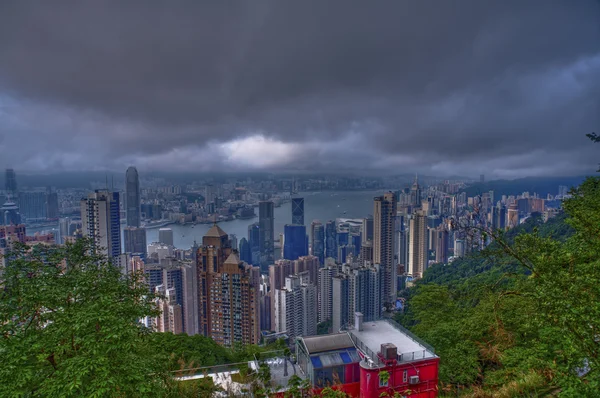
(328, 342)
(374, 333)
(215, 232)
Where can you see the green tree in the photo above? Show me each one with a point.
(69, 327)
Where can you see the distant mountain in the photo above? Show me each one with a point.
(540, 185)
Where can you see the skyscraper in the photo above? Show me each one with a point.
(132, 197)
(295, 242)
(331, 240)
(384, 220)
(165, 236)
(228, 292)
(441, 250)
(245, 251)
(254, 242)
(52, 210)
(295, 305)
(367, 229)
(10, 183)
(417, 258)
(267, 231)
(100, 218)
(32, 205)
(135, 241)
(298, 211)
(317, 234)
(415, 193)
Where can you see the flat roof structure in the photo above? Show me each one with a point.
(374, 333)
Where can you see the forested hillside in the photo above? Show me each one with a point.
(522, 317)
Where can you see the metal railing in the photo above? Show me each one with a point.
(367, 351)
(410, 335)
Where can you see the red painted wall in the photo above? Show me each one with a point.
(427, 371)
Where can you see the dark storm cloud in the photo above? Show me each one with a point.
(448, 86)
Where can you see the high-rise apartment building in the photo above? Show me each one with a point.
(135, 241)
(165, 236)
(339, 312)
(298, 211)
(441, 249)
(325, 296)
(331, 250)
(384, 226)
(278, 272)
(367, 230)
(417, 257)
(100, 219)
(132, 197)
(310, 265)
(33, 206)
(295, 308)
(512, 216)
(171, 317)
(317, 245)
(266, 222)
(295, 242)
(228, 292)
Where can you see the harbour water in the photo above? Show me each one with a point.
(321, 206)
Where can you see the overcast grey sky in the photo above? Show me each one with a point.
(506, 88)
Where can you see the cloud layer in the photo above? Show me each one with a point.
(506, 88)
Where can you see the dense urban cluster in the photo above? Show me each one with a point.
(329, 290)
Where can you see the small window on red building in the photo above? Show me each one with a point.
(405, 376)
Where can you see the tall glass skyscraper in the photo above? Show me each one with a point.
(266, 222)
(254, 243)
(295, 243)
(317, 234)
(10, 182)
(298, 211)
(132, 197)
(331, 239)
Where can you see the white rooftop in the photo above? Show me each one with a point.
(375, 333)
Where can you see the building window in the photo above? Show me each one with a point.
(383, 382)
(405, 376)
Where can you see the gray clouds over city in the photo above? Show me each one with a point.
(505, 88)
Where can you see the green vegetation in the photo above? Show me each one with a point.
(522, 318)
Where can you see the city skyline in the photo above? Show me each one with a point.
(507, 89)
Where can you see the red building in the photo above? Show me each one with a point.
(369, 359)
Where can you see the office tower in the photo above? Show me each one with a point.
(228, 292)
(100, 220)
(254, 242)
(415, 193)
(401, 240)
(367, 229)
(417, 257)
(295, 242)
(165, 236)
(512, 216)
(52, 210)
(441, 249)
(32, 205)
(295, 308)
(331, 250)
(298, 211)
(384, 222)
(135, 241)
(245, 251)
(132, 197)
(267, 235)
(171, 317)
(317, 234)
(500, 216)
(310, 265)
(10, 183)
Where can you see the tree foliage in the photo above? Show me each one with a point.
(69, 326)
(523, 317)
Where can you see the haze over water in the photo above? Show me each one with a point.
(317, 206)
